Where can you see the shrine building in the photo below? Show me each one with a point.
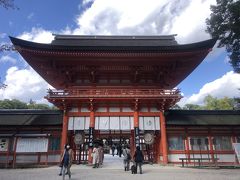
(118, 90)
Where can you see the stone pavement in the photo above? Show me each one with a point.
(113, 170)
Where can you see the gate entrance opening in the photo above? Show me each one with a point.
(113, 143)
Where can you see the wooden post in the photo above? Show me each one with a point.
(15, 152)
(136, 120)
(187, 148)
(158, 148)
(64, 130)
(164, 138)
(211, 147)
(91, 132)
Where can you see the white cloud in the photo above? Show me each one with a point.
(37, 35)
(152, 17)
(7, 58)
(135, 17)
(30, 16)
(24, 84)
(226, 86)
(3, 35)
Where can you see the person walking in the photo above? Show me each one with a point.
(95, 155)
(127, 157)
(138, 158)
(113, 149)
(66, 161)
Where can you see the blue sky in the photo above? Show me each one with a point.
(37, 20)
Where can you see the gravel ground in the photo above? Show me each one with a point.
(113, 170)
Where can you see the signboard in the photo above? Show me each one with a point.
(237, 150)
(137, 137)
(32, 145)
(90, 136)
(3, 144)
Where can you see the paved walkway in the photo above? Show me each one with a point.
(113, 170)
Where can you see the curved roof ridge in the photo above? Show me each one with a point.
(67, 37)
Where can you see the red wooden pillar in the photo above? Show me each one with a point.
(186, 141)
(158, 148)
(132, 146)
(136, 120)
(233, 137)
(164, 138)
(64, 130)
(210, 140)
(91, 129)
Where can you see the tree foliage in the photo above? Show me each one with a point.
(224, 24)
(212, 103)
(192, 107)
(16, 104)
(8, 4)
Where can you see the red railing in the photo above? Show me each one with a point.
(114, 93)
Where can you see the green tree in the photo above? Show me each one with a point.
(8, 4)
(12, 104)
(192, 107)
(16, 104)
(224, 24)
(211, 103)
(39, 106)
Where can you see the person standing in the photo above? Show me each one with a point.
(113, 150)
(101, 154)
(138, 158)
(95, 155)
(66, 161)
(127, 157)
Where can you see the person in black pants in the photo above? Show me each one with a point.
(138, 158)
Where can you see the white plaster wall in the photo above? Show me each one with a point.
(175, 157)
(226, 157)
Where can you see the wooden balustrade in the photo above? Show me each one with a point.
(114, 93)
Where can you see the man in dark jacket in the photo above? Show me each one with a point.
(138, 158)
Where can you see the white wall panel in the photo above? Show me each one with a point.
(104, 123)
(79, 123)
(87, 122)
(125, 123)
(175, 157)
(132, 122)
(84, 109)
(126, 109)
(75, 109)
(96, 122)
(101, 109)
(141, 122)
(114, 123)
(157, 122)
(70, 123)
(154, 109)
(226, 157)
(114, 109)
(149, 123)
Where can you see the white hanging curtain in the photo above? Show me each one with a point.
(149, 123)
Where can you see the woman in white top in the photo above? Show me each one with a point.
(95, 155)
